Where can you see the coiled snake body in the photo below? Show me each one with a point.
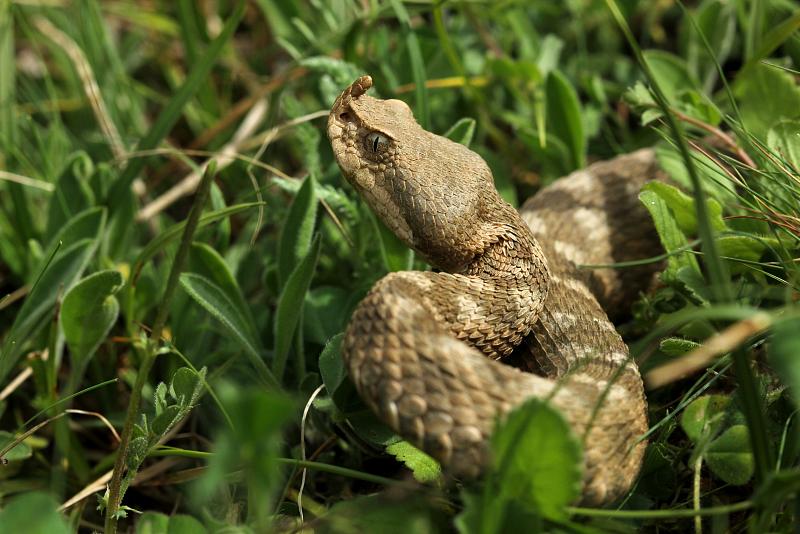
(421, 346)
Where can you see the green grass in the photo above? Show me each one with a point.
(197, 327)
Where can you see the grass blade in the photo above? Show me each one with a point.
(214, 300)
(290, 307)
(172, 112)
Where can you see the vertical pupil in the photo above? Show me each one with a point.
(375, 141)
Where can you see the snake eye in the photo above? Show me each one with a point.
(376, 143)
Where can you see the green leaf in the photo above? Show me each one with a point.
(704, 415)
(682, 207)
(670, 235)
(33, 513)
(462, 131)
(771, 40)
(716, 20)
(157, 523)
(424, 468)
(417, 61)
(536, 459)
(784, 355)
(742, 247)
(290, 306)
(536, 473)
(71, 194)
(766, 96)
(325, 312)
(331, 366)
(160, 397)
(137, 452)
(152, 523)
(216, 302)
(207, 262)
(298, 229)
(337, 74)
(674, 346)
(371, 429)
(729, 456)
(670, 72)
(21, 451)
(726, 450)
(784, 139)
(395, 254)
(714, 180)
(63, 264)
(87, 314)
(88, 224)
(639, 96)
(699, 106)
(187, 385)
(8, 112)
(166, 420)
(564, 117)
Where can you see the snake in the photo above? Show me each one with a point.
(429, 352)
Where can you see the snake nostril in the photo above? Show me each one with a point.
(345, 116)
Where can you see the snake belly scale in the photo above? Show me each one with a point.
(422, 348)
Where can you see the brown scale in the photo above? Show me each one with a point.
(421, 346)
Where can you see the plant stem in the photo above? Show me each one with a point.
(114, 494)
(308, 464)
(698, 522)
(661, 514)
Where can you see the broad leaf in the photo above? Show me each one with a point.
(424, 468)
(766, 96)
(670, 73)
(331, 366)
(66, 267)
(71, 194)
(784, 139)
(21, 451)
(670, 235)
(207, 262)
(88, 312)
(536, 459)
(564, 117)
(32, 513)
(216, 302)
(683, 207)
(729, 456)
(704, 415)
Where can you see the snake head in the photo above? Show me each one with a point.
(433, 193)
